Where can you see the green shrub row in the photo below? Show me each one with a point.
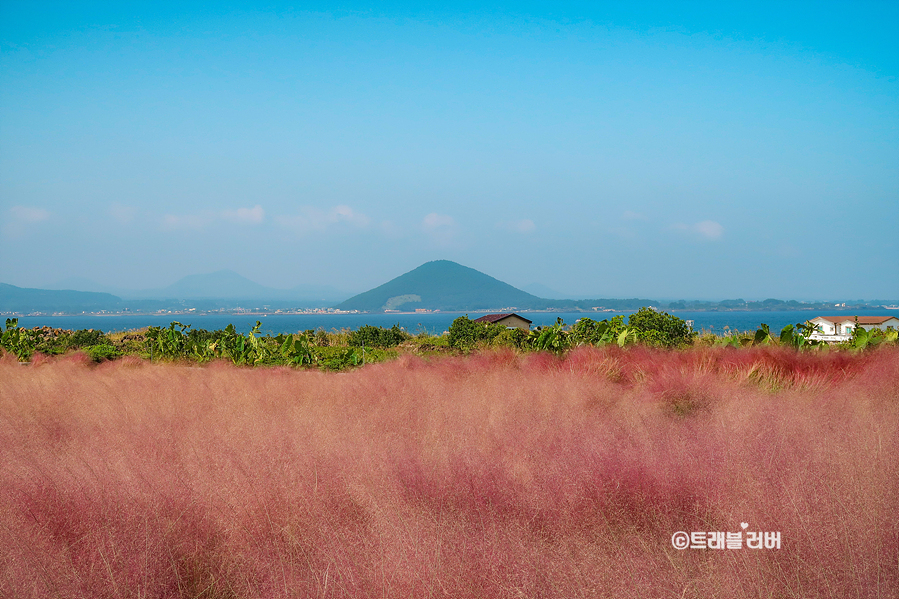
(345, 349)
(648, 327)
(48, 341)
(178, 341)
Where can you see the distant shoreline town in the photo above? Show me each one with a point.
(440, 286)
(836, 307)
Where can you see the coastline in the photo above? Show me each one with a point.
(335, 312)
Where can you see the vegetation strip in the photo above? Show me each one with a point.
(369, 344)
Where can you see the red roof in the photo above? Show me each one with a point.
(491, 318)
(861, 319)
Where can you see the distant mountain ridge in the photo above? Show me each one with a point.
(438, 285)
(82, 284)
(227, 284)
(23, 299)
(224, 289)
(220, 285)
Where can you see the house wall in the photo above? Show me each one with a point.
(827, 327)
(514, 321)
(845, 327)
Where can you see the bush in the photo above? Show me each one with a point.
(587, 331)
(86, 338)
(372, 336)
(513, 337)
(466, 334)
(554, 339)
(660, 328)
(104, 351)
(337, 358)
(321, 339)
(17, 340)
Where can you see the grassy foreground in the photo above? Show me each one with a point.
(492, 475)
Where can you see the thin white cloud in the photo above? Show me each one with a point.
(707, 229)
(434, 221)
(518, 226)
(21, 220)
(205, 218)
(344, 213)
(121, 213)
(28, 214)
(629, 215)
(245, 216)
(440, 228)
(315, 219)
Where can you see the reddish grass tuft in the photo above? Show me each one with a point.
(495, 475)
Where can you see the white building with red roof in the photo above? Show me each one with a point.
(839, 328)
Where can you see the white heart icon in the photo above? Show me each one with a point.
(744, 524)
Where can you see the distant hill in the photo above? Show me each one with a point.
(82, 284)
(440, 285)
(229, 285)
(222, 284)
(451, 287)
(25, 300)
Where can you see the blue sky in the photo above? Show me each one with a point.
(667, 151)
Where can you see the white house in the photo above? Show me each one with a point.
(839, 328)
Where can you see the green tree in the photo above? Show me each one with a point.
(466, 334)
(660, 328)
(511, 337)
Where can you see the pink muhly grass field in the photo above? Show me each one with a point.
(496, 475)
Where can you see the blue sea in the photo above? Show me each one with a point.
(433, 323)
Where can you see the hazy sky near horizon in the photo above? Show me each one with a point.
(693, 150)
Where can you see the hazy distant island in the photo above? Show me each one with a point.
(439, 285)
